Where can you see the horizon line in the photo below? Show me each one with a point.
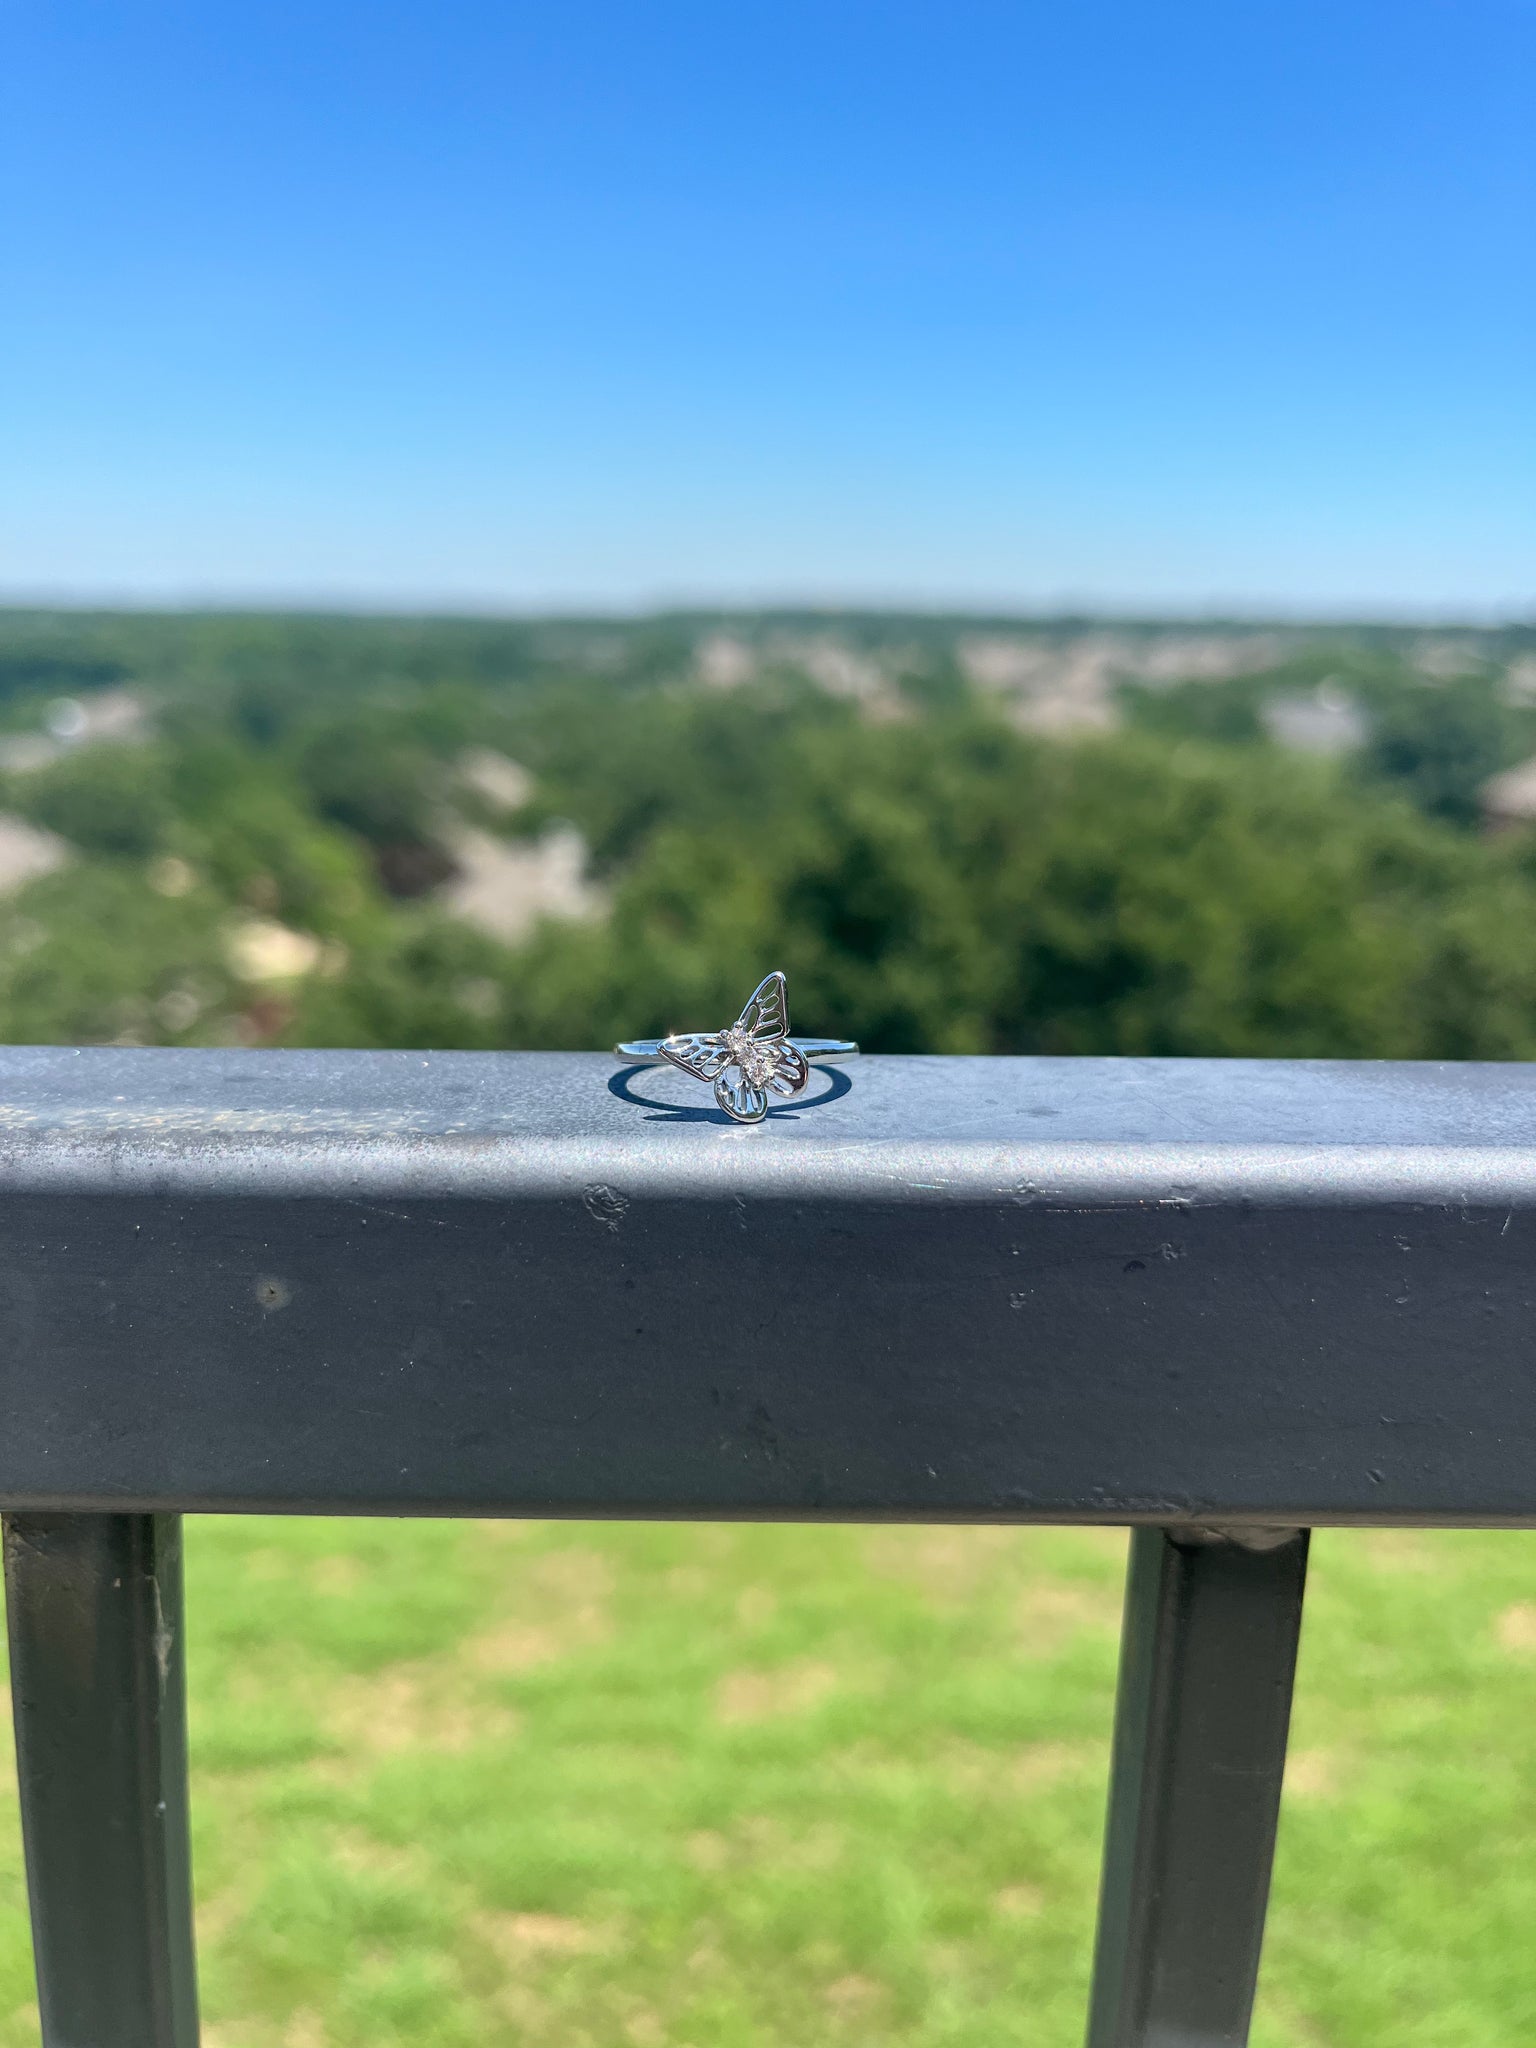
(1068, 607)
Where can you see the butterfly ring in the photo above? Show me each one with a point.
(746, 1064)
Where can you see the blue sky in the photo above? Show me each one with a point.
(1177, 307)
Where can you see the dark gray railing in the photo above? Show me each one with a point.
(1219, 1301)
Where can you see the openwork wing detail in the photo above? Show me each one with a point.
(704, 1054)
(767, 1012)
(751, 1061)
(791, 1069)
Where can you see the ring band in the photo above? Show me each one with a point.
(647, 1052)
(747, 1062)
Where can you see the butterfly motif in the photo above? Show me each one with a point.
(751, 1060)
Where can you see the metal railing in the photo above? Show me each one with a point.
(1219, 1301)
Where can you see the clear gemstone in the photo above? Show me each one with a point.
(755, 1060)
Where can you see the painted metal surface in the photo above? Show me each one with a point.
(1207, 1663)
(1118, 1290)
(98, 1690)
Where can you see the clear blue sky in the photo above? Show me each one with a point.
(1174, 306)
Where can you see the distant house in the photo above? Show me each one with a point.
(1509, 800)
(26, 853)
(1323, 721)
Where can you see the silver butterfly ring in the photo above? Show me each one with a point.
(753, 1059)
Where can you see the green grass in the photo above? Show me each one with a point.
(465, 1784)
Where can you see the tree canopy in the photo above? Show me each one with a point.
(931, 877)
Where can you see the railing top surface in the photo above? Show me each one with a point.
(908, 1130)
(942, 1288)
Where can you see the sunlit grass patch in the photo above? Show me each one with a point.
(738, 1787)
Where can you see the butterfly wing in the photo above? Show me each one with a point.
(791, 1070)
(746, 1101)
(742, 1103)
(704, 1054)
(767, 1012)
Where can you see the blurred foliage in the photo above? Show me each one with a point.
(105, 800)
(930, 877)
(93, 954)
(1441, 744)
(1436, 739)
(951, 886)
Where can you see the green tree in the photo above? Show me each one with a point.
(92, 954)
(113, 800)
(954, 887)
(1440, 742)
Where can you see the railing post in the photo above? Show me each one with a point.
(1207, 1661)
(98, 1685)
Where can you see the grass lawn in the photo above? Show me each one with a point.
(464, 1784)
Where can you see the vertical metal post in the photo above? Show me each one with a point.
(1207, 1662)
(99, 1691)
